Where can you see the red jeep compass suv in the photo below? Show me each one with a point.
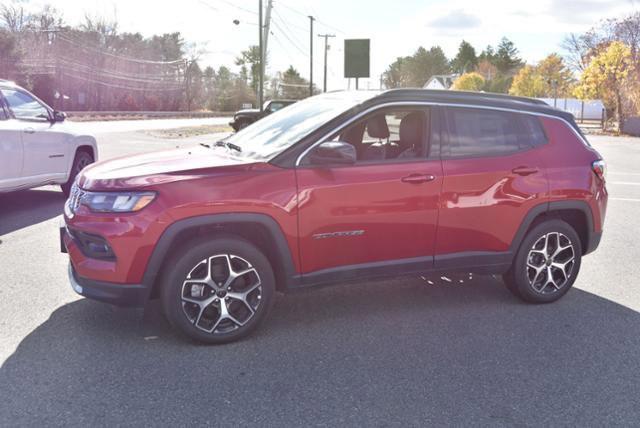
(338, 187)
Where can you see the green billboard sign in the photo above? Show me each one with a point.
(356, 58)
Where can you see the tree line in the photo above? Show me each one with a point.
(602, 63)
(94, 66)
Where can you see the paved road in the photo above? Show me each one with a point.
(389, 353)
(98, 127)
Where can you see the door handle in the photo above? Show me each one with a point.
(524, 170)
(418, 178)
(29, 131)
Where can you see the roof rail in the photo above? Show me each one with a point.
(455, 94)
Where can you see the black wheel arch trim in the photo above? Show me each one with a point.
(167, 241)
(592, 238)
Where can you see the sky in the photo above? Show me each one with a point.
(396, 27)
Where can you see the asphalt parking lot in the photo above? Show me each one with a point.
(410, 351)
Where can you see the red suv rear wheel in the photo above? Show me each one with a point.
(547, 263)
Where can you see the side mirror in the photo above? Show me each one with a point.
(59, 116)
(332, 153)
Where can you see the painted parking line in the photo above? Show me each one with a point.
(625, 199)
(624, 183)
(622, 173)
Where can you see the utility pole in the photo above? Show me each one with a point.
(260, 49)
(326, 48)
(311, 19)
(267, 24)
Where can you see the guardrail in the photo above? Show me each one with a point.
(119, 115)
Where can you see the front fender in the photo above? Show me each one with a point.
(75, 143)
(85, 141)
(170, 239)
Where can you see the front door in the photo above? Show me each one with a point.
(44, 143)
(10, 152)
(382, 209)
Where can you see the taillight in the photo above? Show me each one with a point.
(600, 169)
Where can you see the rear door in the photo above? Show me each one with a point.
(493, 175)
(44, 143)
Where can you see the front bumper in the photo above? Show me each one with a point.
(129, 295)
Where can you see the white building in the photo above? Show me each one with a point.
(442, 81)
(592, 110)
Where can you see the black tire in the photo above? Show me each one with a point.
(531, 268)
(81, 160)
(192, 319)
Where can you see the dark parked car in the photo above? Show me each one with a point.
(246, 117)
(339, 187)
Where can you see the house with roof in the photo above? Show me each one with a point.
(440, 81)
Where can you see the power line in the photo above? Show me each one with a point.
(306, 15)
(284, 33)
(253, 12)
(289, 24)
(108, 74)
(287, 52)
(112, 85)
(331, 27)
(125, 58)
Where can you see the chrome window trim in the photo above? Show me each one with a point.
(430, 104)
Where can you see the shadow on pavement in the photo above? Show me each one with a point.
(380, 353)
(25, 208)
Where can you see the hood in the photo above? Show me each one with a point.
(157, 167)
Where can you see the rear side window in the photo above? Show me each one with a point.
(275, 106)
(534, 133)
(482, 132)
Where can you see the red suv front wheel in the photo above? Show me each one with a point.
(218, 290)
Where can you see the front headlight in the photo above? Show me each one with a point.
(117, 202)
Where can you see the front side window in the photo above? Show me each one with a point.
(24, 106)
(273, 134)
(389, 135)
(480, 132)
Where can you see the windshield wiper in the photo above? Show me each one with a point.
(229, 145)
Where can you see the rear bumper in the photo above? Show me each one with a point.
(129, 295)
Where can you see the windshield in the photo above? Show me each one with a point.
(270, 136)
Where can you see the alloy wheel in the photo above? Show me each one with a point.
(550, 263)
(221, 294)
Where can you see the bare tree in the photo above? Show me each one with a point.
(581, 48)
(13, 17)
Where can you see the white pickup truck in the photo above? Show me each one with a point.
(37, 147)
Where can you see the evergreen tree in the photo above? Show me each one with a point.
(466, 60)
